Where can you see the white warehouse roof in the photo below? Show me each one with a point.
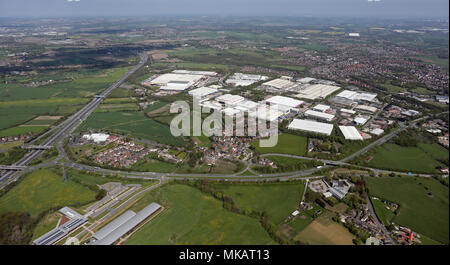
(321, 107)
(230, 99)
(179, 86)
(280, 83)
(306, 80)
(348, 111)
(96, 137)
(350, 133)
(173, 78)
(202, 92)
(280, 100)
(316, 91)
(311, 126)
(320, 115)
(194, 72)
(353, 95)
(360, 120)
(265, 113)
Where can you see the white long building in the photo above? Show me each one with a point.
(350, 133)
(311, 126)
(319, 115)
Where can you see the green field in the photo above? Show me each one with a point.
(191, 217)
(15, 131)
(324, 231)
(423, 213)
(287, 144)
(385, 215)
(153, 165)
(278, 200)
(415, 159)
(134, 123)
(42, 190)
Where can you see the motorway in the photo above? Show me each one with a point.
(72, 122)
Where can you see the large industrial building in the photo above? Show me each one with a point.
(285, 102)
(316, 91)
(123, 224)
(357, 96)
(319, 115)
(203, 93)
(265, 113)
(229, 99)
(240, 79)
(311, 126)
(280, 83)
(178, 80)
(350, 133)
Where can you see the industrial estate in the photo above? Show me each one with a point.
(87, 155)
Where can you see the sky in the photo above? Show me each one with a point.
(317, 8)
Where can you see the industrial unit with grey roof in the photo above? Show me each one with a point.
(123, 224)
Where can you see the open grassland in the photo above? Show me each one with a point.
(287, 144)
(384, 214)
(134, 123)
(42, 190)
(415, 159)
(424, 213)
(324, 231)
(191, 217)
(278, 200)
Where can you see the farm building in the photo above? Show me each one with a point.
(311, 126)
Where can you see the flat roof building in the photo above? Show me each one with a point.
(321, 107)
(311, 126)
(317, 91)
(350, 133)
(285, 101)
(203, 92)
(357, 96)
(280, 83)
(366, 108)
(349, 111)
(319, 115)
(240, 79)
(360, 120)
(229, 99)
